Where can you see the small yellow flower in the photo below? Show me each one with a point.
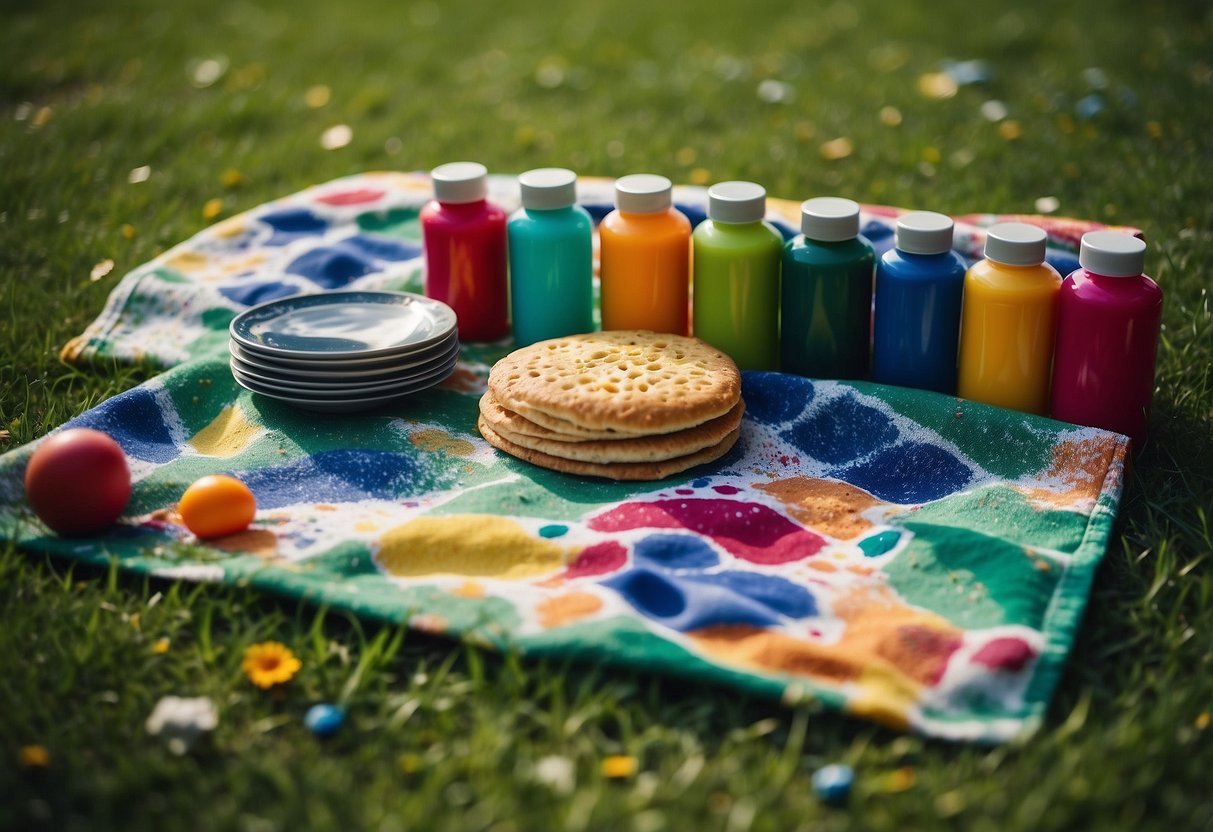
(618, 766)
(212, 208)
(128, 231)
(34, 756)
(270, 663)
(232, 178)
(160, 646)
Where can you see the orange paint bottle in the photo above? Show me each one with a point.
(644, 258)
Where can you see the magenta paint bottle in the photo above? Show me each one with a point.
(464, 236)
(1108, 319)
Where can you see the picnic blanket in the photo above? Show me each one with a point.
(908, 557)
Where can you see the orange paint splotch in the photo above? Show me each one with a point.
(564, 609)
(822, 566)
(260, 542)
(1080, 466)
(835, 508)
(324, 507)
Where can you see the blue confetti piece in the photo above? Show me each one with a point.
(833, 783)
(324, 720)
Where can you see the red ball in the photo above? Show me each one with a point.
(78, 482)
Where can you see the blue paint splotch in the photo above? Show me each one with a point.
(261, 291)
(686, 605)
(912, 472)
(774, 398)
(136, 422)
(292, 223)
(336, 477)
(332, 267)
(846, 430)
(381, 248)
(675, 551)
(772, 591)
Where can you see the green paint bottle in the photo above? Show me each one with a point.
(736, 276)
(826, 293)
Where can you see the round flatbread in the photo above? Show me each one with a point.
(502, 419)
(629, 381)
(657, 448)
(614, 470)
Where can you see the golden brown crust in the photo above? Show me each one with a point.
(628, 381)
(502, 418)
(655, 448)
(612, 471)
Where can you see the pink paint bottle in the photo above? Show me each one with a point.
(465, 257)
(1108, 319)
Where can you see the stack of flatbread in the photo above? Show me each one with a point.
(625, 404)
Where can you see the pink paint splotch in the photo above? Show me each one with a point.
(1009, 655)
(748, 531)
(358, 196)
(599, 559)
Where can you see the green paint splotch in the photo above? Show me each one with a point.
(972, 579)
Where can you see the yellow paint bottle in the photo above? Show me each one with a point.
(1007, 321)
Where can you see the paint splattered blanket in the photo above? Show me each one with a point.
(908, 557)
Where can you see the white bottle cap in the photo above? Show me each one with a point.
(924, 232)
(1112, 254)
(737, 202)
(1015, 244)
(546, 189)
(643, 193)
(457, 182)
(829, 219)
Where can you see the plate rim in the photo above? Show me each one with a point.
(339, 395)
(352, 374)
(386, 297)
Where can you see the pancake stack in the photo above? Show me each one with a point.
(624, 405)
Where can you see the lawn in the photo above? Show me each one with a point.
(127, 127)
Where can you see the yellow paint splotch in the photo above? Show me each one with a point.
(432, 440)
(228, 434)
(471, 545)
(188, 261)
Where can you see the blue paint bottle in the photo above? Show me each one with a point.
(916, 325)
(551, 258)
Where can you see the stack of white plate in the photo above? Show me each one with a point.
(341, 352)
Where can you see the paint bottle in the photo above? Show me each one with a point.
(1007, 321)
(551, 252)
(464, 238)
(736, 276)
(1108, 319)
(916, 319)
(826, 293)
(645, 258)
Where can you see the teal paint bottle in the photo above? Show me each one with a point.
(826, 293)
(551, 255)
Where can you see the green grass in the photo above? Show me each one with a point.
(442, 736)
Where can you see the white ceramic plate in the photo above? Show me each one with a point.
(349, 404)
(343, 325)
(336, 391)
(326, 379)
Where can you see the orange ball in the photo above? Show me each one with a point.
(217, 505)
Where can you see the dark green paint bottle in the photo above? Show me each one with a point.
(826, 293)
